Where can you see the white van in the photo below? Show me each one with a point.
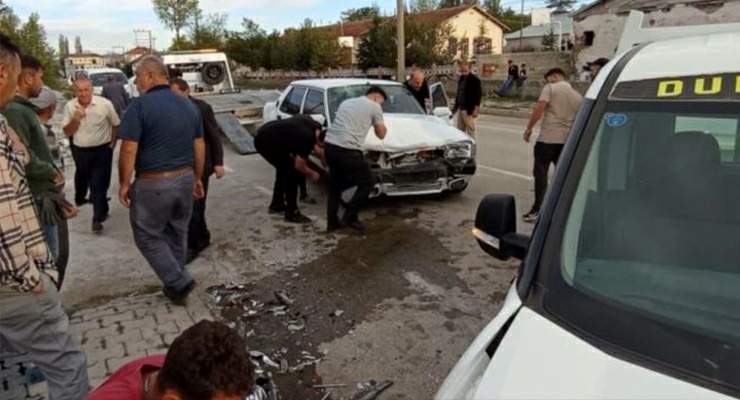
(629, 286)
(99, 77)
(206, 71)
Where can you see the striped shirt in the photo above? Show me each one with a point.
(24, 255)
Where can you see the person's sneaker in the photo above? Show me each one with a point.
(179, 298)
(97, 227)
(276, 210)
(531, 216)
(297, 218)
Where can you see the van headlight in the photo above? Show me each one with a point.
(460, 150)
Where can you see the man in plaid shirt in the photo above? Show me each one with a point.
(31, 317)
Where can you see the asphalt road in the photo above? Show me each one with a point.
(400, 303)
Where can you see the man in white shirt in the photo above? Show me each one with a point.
(91, 122)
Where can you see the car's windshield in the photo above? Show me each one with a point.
(399, 101)
(100, 79)
(653, 232)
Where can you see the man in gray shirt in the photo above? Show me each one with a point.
(347, 164)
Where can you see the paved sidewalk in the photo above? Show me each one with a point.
(112, 335)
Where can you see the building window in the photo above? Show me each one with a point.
(588, 38)
(483, 45)
(452, 47)
(464, 48)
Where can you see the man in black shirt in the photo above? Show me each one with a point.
(286, 144)
(467, 101)
(199, 237)
(419, 88)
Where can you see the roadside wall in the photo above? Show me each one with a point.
(494, 67)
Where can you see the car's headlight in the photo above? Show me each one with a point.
(460, 150)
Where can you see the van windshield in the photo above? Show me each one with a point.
(100, 79)
(650, 255)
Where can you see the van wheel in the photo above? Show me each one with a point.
(213, 73)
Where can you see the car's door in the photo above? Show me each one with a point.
(314, 104)
(292, 102)
(439, 101)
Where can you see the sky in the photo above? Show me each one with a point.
(104, 24)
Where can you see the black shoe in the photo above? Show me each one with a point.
(276, 210)
(97, 227)
(179, 298)
(80, 203)
(356, 225)
(531, 216)
(104, 217)
(308, 200)
(297, 218)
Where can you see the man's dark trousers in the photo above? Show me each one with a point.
(81, 178)
(347, 168)
(95, 165)
(544, 155)
(199, 237)
(160, 214)
(287, 179)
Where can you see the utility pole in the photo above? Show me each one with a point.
(401, 49)
(521, 27)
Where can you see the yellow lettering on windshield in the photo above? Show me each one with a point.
(700, 87)
(670, 88)
(737, 84)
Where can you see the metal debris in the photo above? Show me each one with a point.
(296, 325)
(337, 314)
(371, 390)
(330, 386)
(283, 298)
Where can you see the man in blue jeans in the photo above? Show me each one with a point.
(162, 139)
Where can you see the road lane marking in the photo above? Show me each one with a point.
(505, 172)
(263, 190)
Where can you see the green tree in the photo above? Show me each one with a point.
(248, 46)
(513, 19)
(175, 14)
(358, 14)
(548, 41)
(30, 36)
(426, 43)
(211, 33)
(561, 4)
(493, 7)
(378, 46)
(418, 6)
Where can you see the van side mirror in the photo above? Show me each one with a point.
(495, 228)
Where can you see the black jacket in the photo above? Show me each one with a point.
(211, 135)
(471, 96)
(421, 95)
(117, 94)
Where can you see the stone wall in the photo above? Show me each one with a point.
(494, 67)
(608, 24)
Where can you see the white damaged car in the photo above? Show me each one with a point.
(421, 154)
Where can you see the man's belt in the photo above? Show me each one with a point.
(165, 174)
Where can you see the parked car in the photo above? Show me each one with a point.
(99, 77)
(628, 288)
(421, 154)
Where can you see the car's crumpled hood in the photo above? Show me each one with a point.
(409, 132)
(539, 360)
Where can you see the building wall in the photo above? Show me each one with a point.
(531, 43)
(467, 25)
(87, 62)
(608, 27)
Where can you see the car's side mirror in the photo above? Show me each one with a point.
(442, 112)
(495, 228)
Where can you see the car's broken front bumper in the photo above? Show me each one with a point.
(425, 178)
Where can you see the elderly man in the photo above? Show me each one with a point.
(45, 105)
(199, 237)
(91, 122)
(44, 177)
(162, 139)
(467, 101)
(417, 85)
(31, 317)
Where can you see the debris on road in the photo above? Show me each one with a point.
(371, 390)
